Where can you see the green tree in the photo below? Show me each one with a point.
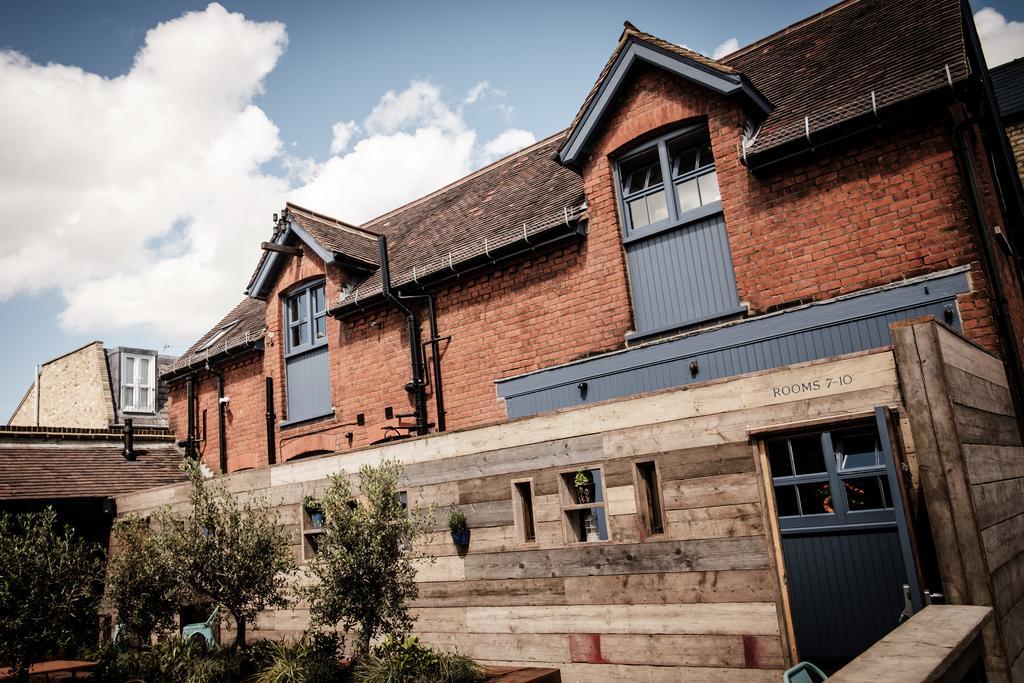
(365, 557)
(234, 553)
(51, 582)
(142, 584)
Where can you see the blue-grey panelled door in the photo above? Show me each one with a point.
(844, 539)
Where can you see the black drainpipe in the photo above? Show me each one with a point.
(222, 438)
(129, 440)
(271, 417)
(190, 440)
(435, 357)
(962, 138)
(416, 386)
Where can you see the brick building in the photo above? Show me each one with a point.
(826, 180)
(768, 306)
(1008, 84)
(95, 388)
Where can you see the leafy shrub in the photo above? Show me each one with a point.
(366, 577)
(232, 552)
(457, 520)
(142, 584)
(50, 587)
(409, 661)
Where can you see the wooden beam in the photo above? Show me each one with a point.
(281, 249)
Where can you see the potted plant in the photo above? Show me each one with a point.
(315, 509)
(584, 487)
(458, 526)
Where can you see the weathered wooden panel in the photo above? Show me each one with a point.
(991, 463)
(998, 500)
(624, 673)
(981, 427)
(492, 593)
(737, 651)
(960, 354)
(440, 569)
(973, 392)
(1003, 541)
(482, 539)
(724, 489)
(683, 587)
(605, 559)
(621, 500)
(751, 618)
(720, 521)
(527, 647)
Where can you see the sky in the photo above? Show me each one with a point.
(145, 146)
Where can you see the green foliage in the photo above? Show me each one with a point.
(312, 505)
(310, 660)
(50, 587)
(233, 553)
(457, 520)
(364, 557)
(142, 584)
(581, 478)
(408, 661)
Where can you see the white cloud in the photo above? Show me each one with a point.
(143, 198)
(1002, 40)
(506, 142)
(342, 133)
(726, 48)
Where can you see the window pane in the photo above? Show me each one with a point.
(785, 501)
(686, 161)
(641, 172)
(816, 498)
(858, 450)
(143, 376)
(129, 370)
(321, 327)
(868, 493)
(638, 217)
(807, 456)
(657, 209)
(705, 158)
(709, 188)
(128, 398)
(144, 401)
(293, 309)
(688, 194)
(318, 299)
(778, 459)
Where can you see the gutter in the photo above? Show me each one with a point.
(200, 362)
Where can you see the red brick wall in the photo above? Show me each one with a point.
(245, 425)
(887, 206)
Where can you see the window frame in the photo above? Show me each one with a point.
(566, 506)
(676, 217)
(218, 336)
(518, 516)
(135, 385)
(842, 515)
(646, 507)
(308, 317)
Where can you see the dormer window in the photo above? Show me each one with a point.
(138, 383)
(677, 249)
(306, 368)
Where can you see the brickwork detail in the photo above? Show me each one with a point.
(74, 392)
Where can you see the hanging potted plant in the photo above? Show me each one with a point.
(459, 527)
(315, 509)
(584, 487)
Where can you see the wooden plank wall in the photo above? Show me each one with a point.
(699, 602)
(972, 464)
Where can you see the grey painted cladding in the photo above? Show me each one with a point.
(308, 385)
(163, 365)
(682, 276)
(822, 330)
(638, 51)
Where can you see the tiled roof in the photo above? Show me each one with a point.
(826, 67)
(336, 236)
(631, 31)
(246, 325)
(1008, 82)
(528, 191)
(79, 468)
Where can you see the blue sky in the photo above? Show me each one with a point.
(487, 76)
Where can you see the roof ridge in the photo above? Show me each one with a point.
(631, 30)
(463, 179)
(362, 232)
(786, 30)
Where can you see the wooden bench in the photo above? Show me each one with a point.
(49, 670)
(939, 643)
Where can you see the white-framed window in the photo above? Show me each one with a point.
(138, 383)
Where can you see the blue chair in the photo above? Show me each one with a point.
(804, 672)
(202, 630)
